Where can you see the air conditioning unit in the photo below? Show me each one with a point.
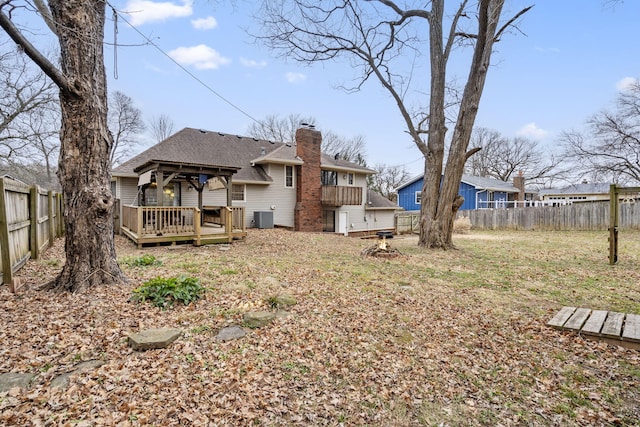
(263, 219)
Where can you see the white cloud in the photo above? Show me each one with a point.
(202, 57)
(625, 84)
(532, 130)
(145, 11)
(547, 49)
(207, 23)
(295, 77)
(251, 63)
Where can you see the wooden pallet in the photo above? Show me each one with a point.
(609, 326)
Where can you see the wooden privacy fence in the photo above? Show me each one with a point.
(407, 222)
(30, 221)
(578, 216)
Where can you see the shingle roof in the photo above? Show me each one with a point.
(491, 184)
(330, 162)
(593, 188)
(376, 200)
(197, 146)
(478, 182)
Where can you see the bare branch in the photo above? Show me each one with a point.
(511, 21)
(41, 61)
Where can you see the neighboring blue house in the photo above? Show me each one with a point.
(478, 193)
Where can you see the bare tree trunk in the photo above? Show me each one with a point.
(437, 221)
(85, 147)
(430, 230)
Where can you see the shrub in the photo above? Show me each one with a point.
(462, 225)
(142, 261)
(165, 292)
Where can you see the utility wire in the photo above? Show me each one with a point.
(193, 76)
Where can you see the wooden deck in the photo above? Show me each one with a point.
(156, 225)
(608, 326)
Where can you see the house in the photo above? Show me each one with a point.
(478, 193)
(270, 183)
(584, 192)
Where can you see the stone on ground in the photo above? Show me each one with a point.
(258, 319)
(150, 339)
(229, 333)
(284, 301)
(62, 381)
(14, 379)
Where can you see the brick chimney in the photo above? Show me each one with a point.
(518, 182)
(308, 211)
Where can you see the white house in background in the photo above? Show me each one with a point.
(576, 193)
(284, 185)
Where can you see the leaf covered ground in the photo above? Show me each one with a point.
(450, 338)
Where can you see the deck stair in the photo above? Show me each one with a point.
(608, 326)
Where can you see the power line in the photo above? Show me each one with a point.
(193, 76)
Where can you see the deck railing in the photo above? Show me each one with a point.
(339, 195)
(160, 220)
(172, 223)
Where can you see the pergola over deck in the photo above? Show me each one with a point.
(167, 171)
(158, 224)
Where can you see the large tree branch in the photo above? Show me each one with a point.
(46, 15)
(471, 153)
(405, 14)
(41, 61)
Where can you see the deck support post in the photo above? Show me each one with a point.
(228, 224)
(197, 226)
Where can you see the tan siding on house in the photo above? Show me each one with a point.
(209, 197)
(127, 191)
(382, 219)
(361, 219)
(263, 197)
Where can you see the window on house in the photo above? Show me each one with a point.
(418, 197)
(329, 178)
(237, 192)
(350, 178)
(288, 176)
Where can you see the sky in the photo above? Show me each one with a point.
(567, 61)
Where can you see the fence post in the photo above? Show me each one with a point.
(7, 272)
(117, 218)
(50, 212)
(60, 215)
(33, 218)
(613, 224)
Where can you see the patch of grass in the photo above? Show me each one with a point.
(189, 266)
(165, 292)
(146, 260)
(295, 369)
(225, 312)
(201, 329)
(52, 262)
